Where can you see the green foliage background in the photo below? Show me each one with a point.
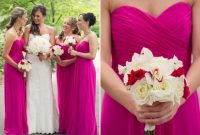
(57, 12)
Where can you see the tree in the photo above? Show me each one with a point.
(57, 12)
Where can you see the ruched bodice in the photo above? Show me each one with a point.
(166, 35)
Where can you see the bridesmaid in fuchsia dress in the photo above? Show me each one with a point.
(167, 29)
(15, 95)
(82, 102)
(65, 72)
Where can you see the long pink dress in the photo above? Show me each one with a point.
(15, 94)
(64, 82)
(82, 119)
(166, 35)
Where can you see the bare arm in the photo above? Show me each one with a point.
(26, 36)
(65, 63)
(110, 82)
(52, 35)
(193, 74)
(92, 39)
(9, 39)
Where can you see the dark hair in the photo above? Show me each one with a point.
(16, 12)
(73, 24)
(89, 17)
(34, 27)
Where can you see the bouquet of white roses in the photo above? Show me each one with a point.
(70, 40)
(38, 45)
(154, 79)
(25, 65)
(57, 50)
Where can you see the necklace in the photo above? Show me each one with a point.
(86, 34)
(18, 33)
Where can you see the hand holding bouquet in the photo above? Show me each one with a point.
(38, 45)
(57, 50)
(24, 65)
(152, 79)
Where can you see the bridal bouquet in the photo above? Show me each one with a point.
(24, 65)
(38, 45)
(70, 40)
(57, 50)
(154, 79)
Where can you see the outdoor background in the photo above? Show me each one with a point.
(57, 12)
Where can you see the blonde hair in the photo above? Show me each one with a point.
(73, 24)
(15, 13)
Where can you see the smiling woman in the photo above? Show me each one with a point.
(41, 107)
(15, 92)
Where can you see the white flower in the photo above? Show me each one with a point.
(19, 66)
(178, 87)
(24, 65)
(162, 91)
(176, 63)
(140, 60)
(140, 91)
(28, 67)
(146, 53)
(38, 45)
(70, 41)
(57, 50)
(122, 70)
(158, 85)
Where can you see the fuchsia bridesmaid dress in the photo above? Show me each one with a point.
(64, 84)
(15, 94)
(82, 120)
(166, 35)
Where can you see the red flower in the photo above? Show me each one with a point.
(178, 72)
(135, 76)
(64, 39)
(22, 63)
(53, 49)
(186, 90)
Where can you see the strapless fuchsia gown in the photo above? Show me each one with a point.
(64, 83)
(166, 35)
(15, 94)
(81, 110)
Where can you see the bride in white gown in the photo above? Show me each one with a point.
(42, 112)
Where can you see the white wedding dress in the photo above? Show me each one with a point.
(42, 111)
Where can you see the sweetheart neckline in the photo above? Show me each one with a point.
(149, 14)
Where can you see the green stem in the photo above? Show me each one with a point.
(150, 132)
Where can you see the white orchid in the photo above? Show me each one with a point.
(176, 63)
